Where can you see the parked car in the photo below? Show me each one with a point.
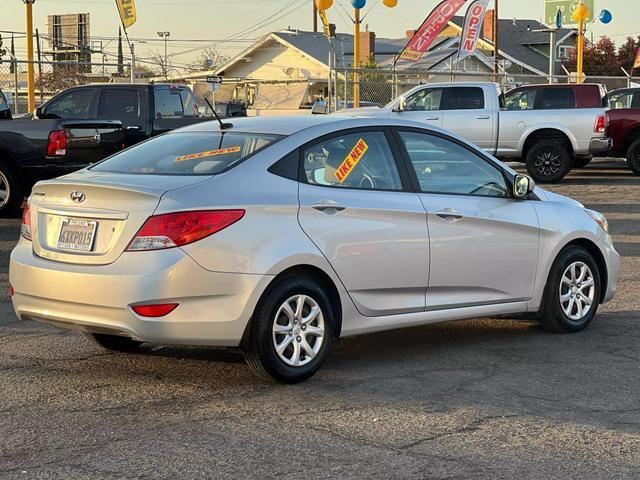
(532, 124)
(231, 109)
(624, 125)
(5, 111)
(81, 126)
(279, 234)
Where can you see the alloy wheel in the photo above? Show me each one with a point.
(298, 330)
(5, 190)
(547, 162)
(577, 291)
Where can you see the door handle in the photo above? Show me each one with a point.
(328, 207)
(483, 117)
(433, 118)
(134, 127)
(449, 215)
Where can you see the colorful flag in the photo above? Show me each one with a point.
(429, 30)
(471, 29)
(127, 10)
(325, 22)
(636, 64)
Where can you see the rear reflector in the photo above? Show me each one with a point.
(57, 144)
(25, 226)
(12, 290)
(154, 311)
(601, 124)
(181, 228)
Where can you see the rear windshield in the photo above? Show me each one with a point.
(193, 153)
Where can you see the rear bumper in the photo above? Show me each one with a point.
(600, 145)
(214, 308)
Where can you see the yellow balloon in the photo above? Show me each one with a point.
(390, 3)
(324, 4)
(581, 13)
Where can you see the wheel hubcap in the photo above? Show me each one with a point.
(4, 190)
(547, 162)
(298, 330)
(577, 291)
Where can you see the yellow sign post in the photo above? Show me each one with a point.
(580, 15)
(31, 75)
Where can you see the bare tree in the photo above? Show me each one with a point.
(209, 59)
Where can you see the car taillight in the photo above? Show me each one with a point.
(601, 124)
(57, 144)
(181, 228)
(25, 226)
(154, 311)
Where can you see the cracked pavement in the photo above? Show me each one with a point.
(483, 398)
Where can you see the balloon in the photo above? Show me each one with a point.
(358, 3)
(390, 3)
(606, 16)
(324, 4)
(581, 13)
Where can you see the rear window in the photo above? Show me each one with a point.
(190, 153)
(558, 98)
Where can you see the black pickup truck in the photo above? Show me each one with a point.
(81, 126)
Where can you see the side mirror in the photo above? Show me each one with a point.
(523, 186)
(402, 106)
(39, 112)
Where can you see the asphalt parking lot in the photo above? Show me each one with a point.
(475, 399)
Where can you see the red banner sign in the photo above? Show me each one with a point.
(471, 30)
(430, 29)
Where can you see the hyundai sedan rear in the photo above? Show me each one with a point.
(279, 235)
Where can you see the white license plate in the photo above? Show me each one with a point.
(77, 234)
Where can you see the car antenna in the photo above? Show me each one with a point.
(223, 126)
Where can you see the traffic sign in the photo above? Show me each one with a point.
(566, 7)
(214, 79)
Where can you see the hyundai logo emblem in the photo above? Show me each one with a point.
(78, 197)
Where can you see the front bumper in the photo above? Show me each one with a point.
(600, 145)
(214, 308)
(612, 259)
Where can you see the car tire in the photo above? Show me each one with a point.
(633, 157)
(11, 204)
(581, 162)
(548, 161)
(285, 342)
(573, 282)
(113, 342)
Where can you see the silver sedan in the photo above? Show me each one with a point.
(279, 235)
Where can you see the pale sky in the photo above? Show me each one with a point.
(215, 20)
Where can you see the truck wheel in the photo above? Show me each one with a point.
(633, 157)
(548, 161)
(581, 162)
(11, 192)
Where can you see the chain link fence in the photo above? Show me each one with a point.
(53, 77)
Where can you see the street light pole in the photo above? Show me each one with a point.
(30, 70)
(356, 60)
(165, 36)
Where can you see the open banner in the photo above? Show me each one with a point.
(471, 31)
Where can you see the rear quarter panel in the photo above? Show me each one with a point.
(623, 123)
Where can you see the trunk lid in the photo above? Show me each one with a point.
(110, 209)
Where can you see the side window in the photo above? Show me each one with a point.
(287, 167)
(443, 166)
(168, 103)
(621, 100)
(465, 98)
(119, 103)
(521, 100)
(558, 98)
(424, 100)
(356, 160)
(75, 104)
(189, 103)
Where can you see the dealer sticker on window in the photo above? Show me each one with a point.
(349, 163)
(208, 153)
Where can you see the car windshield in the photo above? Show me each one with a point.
(192, 153)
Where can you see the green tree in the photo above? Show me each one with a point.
(600, 58)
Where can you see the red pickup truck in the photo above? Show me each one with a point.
(624, 125)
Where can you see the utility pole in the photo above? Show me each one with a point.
(315, 17)
(39, 66)
(356, 59)
(496, 47)
(30, 70)
(166, 36)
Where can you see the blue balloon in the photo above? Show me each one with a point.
(606, 16)
(358, 3)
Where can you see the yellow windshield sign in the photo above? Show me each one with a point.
(209, 153)
(349, 163)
